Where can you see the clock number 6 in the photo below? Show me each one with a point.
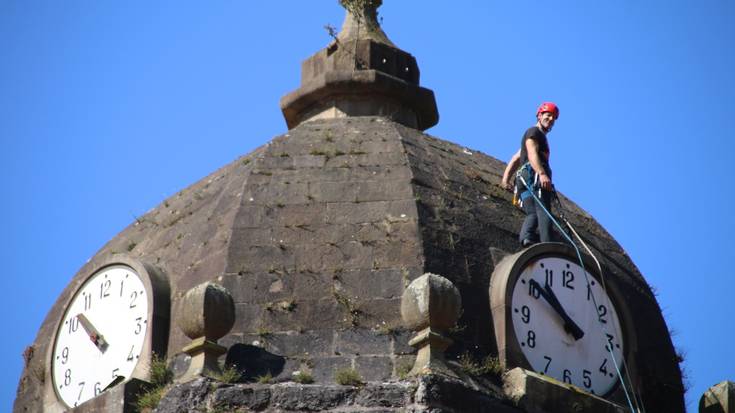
(567, 376)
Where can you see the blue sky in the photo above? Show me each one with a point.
(106, 108)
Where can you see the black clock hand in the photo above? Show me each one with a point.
(569, 325)
(94, 335)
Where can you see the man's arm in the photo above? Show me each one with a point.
(535, 160)
(510, 170)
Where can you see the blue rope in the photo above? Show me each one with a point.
(586, 276)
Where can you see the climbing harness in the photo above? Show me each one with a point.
(530, 191)
(527, 173)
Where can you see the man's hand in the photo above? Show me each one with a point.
(506, 185)
(545, 182)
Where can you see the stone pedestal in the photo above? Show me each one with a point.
(431, 306)
(205, 314)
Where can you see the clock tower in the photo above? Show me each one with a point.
(318, 237)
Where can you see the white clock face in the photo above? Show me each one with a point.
(560, 331)
(101, 336)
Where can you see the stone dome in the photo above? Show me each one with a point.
(317, 233)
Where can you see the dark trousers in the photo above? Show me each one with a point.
(536, 219)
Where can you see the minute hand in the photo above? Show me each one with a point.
(569, 325)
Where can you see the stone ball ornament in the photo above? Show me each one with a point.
(206, 310)
(431, 301)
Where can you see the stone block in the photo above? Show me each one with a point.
(313, 286)
(248, 317)
(326, 367)
(340, 191)
(398, 253)
(334, 257)
(363, 212)
(304, 315)
(367, 191)
(278, 193)
(260, 287)
(234, 397)
(374, 368)
(301, 398)
(311, 344)
(384, 395)
(361, 342)
(376, 311)
(252, 215)
(185, 397)
(400, 342)
(534, 392)
(259, 258)
(385, 283)
(443, 394)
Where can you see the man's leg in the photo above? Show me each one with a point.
(544, 222)
(528, 230)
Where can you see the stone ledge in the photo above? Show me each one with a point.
(535, 393)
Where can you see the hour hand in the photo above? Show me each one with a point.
(97, 339)
(569, 325)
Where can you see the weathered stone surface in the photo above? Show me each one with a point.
(311, 398)
(534, 392)
(326, 367)
(185, 397)
(361, 342)
(451, 395)
(374, 368)
(394, 395)
(254, 398)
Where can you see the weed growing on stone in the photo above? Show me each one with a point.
(265, 379)
(303, 377)
(403, 369)
(149, 400)
(160, 377)
(263, 332)
(488, 366)
(229, 374)
(348, 377)
(352, 311)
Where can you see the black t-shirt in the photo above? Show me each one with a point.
(539, 137)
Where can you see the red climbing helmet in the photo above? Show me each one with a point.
(548, 107)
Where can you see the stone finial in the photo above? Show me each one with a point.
(362, 73)
(719, 398)
(361, 22)
(431, 306)
(205, 314)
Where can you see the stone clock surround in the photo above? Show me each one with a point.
(505, 275)
(156, 284)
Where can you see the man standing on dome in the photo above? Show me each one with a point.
(533, 159)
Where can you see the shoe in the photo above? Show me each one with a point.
(526, 243)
